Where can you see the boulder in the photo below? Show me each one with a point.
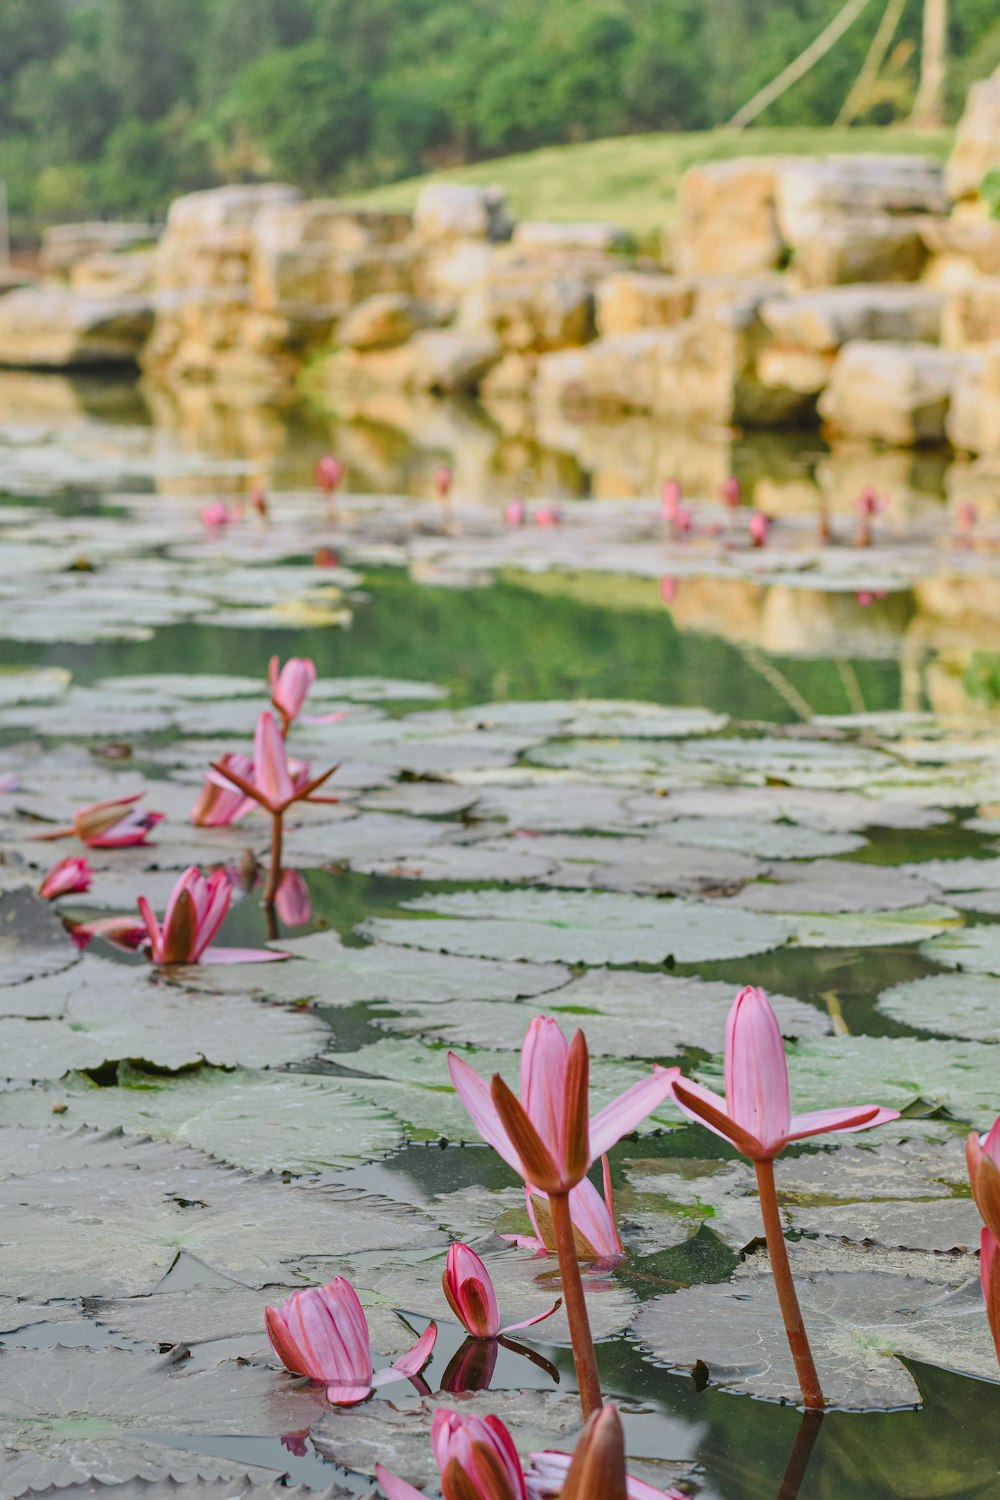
(977, 142)
(620, 373)
(973, 418)
(131, 273)
(534, 306)
(629, 301)
(728, 222)
(217, 210)
(871, 247)
(892, 393)
(972, 315)
(447, 361)
(962, 247)
(65, 245)
(313, 260)
(51, 327)
(535, 236)
(825, 320)
(459, 211)
(382, 321)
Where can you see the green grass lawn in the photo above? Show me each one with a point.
(632, 179)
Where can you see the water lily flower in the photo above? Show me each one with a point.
(330, 472)
(547, 1137)
(669, 589)
(322, 1332)
(443, 478)
(123, 932)
(516, 513)
(290, 686)
(596, 1471)
(594, 1229)
(756, 1114)
(983, 1158)
(217, 514)
(292, 899)
(219, 803)
(548, 515)
(277, 782)
(730, 492)
(670, 499)
(115, 824)
(476, 1457)
(68, 876)
(758, 526)
(473, 1299)
(196, 910)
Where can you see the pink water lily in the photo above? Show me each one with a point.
(476, 1457)
(123, 932)
(220, 803)
(322, 1332)
(599, 1468)
(473, 1299)
(196, 910)
(730, 492)
(556, 1107)
(594, 1230)
(290, 686)
(983, 1158)
(330, 472)
(292, 899)
(69, 876)
(443, 478)
(276, 781)
(115, 824)
(516, 513)
(758, 526)
(670, 499)
(756, 1114)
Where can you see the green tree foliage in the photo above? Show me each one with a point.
(126, 102)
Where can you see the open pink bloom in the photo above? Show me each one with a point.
(594, 1230)
(219, 803)
(115, 824)
(126, 933)
(730, 493)
(670, 499)
(547, 1471)
(277, 782)
(293, 900)
(290, 687)
(330, 472)
(476, 1456)
(195, 912)
(69, 875)
(545, 1071)
(983, 1157)
(322, 1332)
(472, 1298)
(758, 526)
(443, 478)
(756, 1114)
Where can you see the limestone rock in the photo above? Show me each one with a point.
(893, 393)
(448, 361)
(565, 239)
(382, 321)
(65, 245)
(131, 273)
(226, 208)
(972, 421)
(629, 301)
(871, 247)
(825, 320)
(972, 314)
(728, 222)
(977, 142)
(51, 327)
(804, 370)
(534, 305)
(459, 211)
(314, 260)
(612, 374)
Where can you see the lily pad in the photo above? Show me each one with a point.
(874, 929)
(856, 1322)
(32, 684)
(281, 1122)
(958, 1005)
(33, 941)
(580, 927)
(827, 885)
(974, 948)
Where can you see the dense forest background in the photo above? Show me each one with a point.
(114, 106)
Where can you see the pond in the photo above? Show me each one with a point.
(591, 769)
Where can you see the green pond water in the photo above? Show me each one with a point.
(511, 641)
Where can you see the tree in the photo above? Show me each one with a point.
(241, 32)
(149, 49)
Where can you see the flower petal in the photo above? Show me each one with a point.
(474, 1092)
(394, 1488)
(756, 1070)
(413, 1362)
(624, 1113)
(708, 1109)
(241, 956)
(347, 1395)
(860, 1117)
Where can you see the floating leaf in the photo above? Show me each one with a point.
(33, 941)
(958, 1005)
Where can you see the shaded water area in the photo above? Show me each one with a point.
(446, 805)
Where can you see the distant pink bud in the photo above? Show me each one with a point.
(966, 516)
(114, 824)
(730, 493)
(547, 515)
(65, 878)
(290, 687)
(216, 514)
(330, 473)
(516, 513)
(670, 500)
(292, 899)
(758, 526)
(669, 589)
(443, 478)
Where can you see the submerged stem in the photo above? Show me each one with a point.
(584, 1357)
(798, 1459)
(274, 873)
(784, 1285)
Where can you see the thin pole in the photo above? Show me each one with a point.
(4, 227)
(928, 111)
(800, 67)
(865, 81)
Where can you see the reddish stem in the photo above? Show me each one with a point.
(584, 1357)
(798, 1459)
(274, 873)
(784, 1285)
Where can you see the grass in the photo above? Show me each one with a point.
(632, 179)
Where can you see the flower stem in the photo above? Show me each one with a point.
(274, 873)
(584, 1357)
(798, 1341)
(798, 1459)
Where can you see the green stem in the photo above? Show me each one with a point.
(798, 1341)
(584, 1357)
(274, 873)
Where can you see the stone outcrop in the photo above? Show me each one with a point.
(893, 393)
(52, 327)
(729, 219)
(64, 246)
(629, 301)
(977, 143)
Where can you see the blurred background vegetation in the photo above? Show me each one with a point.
(111, 107)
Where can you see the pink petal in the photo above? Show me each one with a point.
(756, 1070)
(474, 1093)
(530, 1322)
(394, 1488)
(689, 1096)
(332, 718)
(624, 1114)
(990, 1144)
(413, 1362)
(861, 1117)
(543, 1075)
(241, 956)
(347, 1395)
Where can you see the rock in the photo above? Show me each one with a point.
(512, 379)
(972, 315)
(963, 247)
(825, 320)
(893, 393)
(873, 247)
(565, 239)
(728, 222)
(458, 211)
(128, 274)
(973, 418)
(65, 245)
(977, 142)
(534, 306)
(802, 370)
(220, 209)
(447, 361)
(51, 327)
(454, 268)
(312, 261)
(629, 301)
(384, 320)
(612, 374)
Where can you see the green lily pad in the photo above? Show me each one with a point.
(957, 1005)
(974, 948)
(33, 941)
